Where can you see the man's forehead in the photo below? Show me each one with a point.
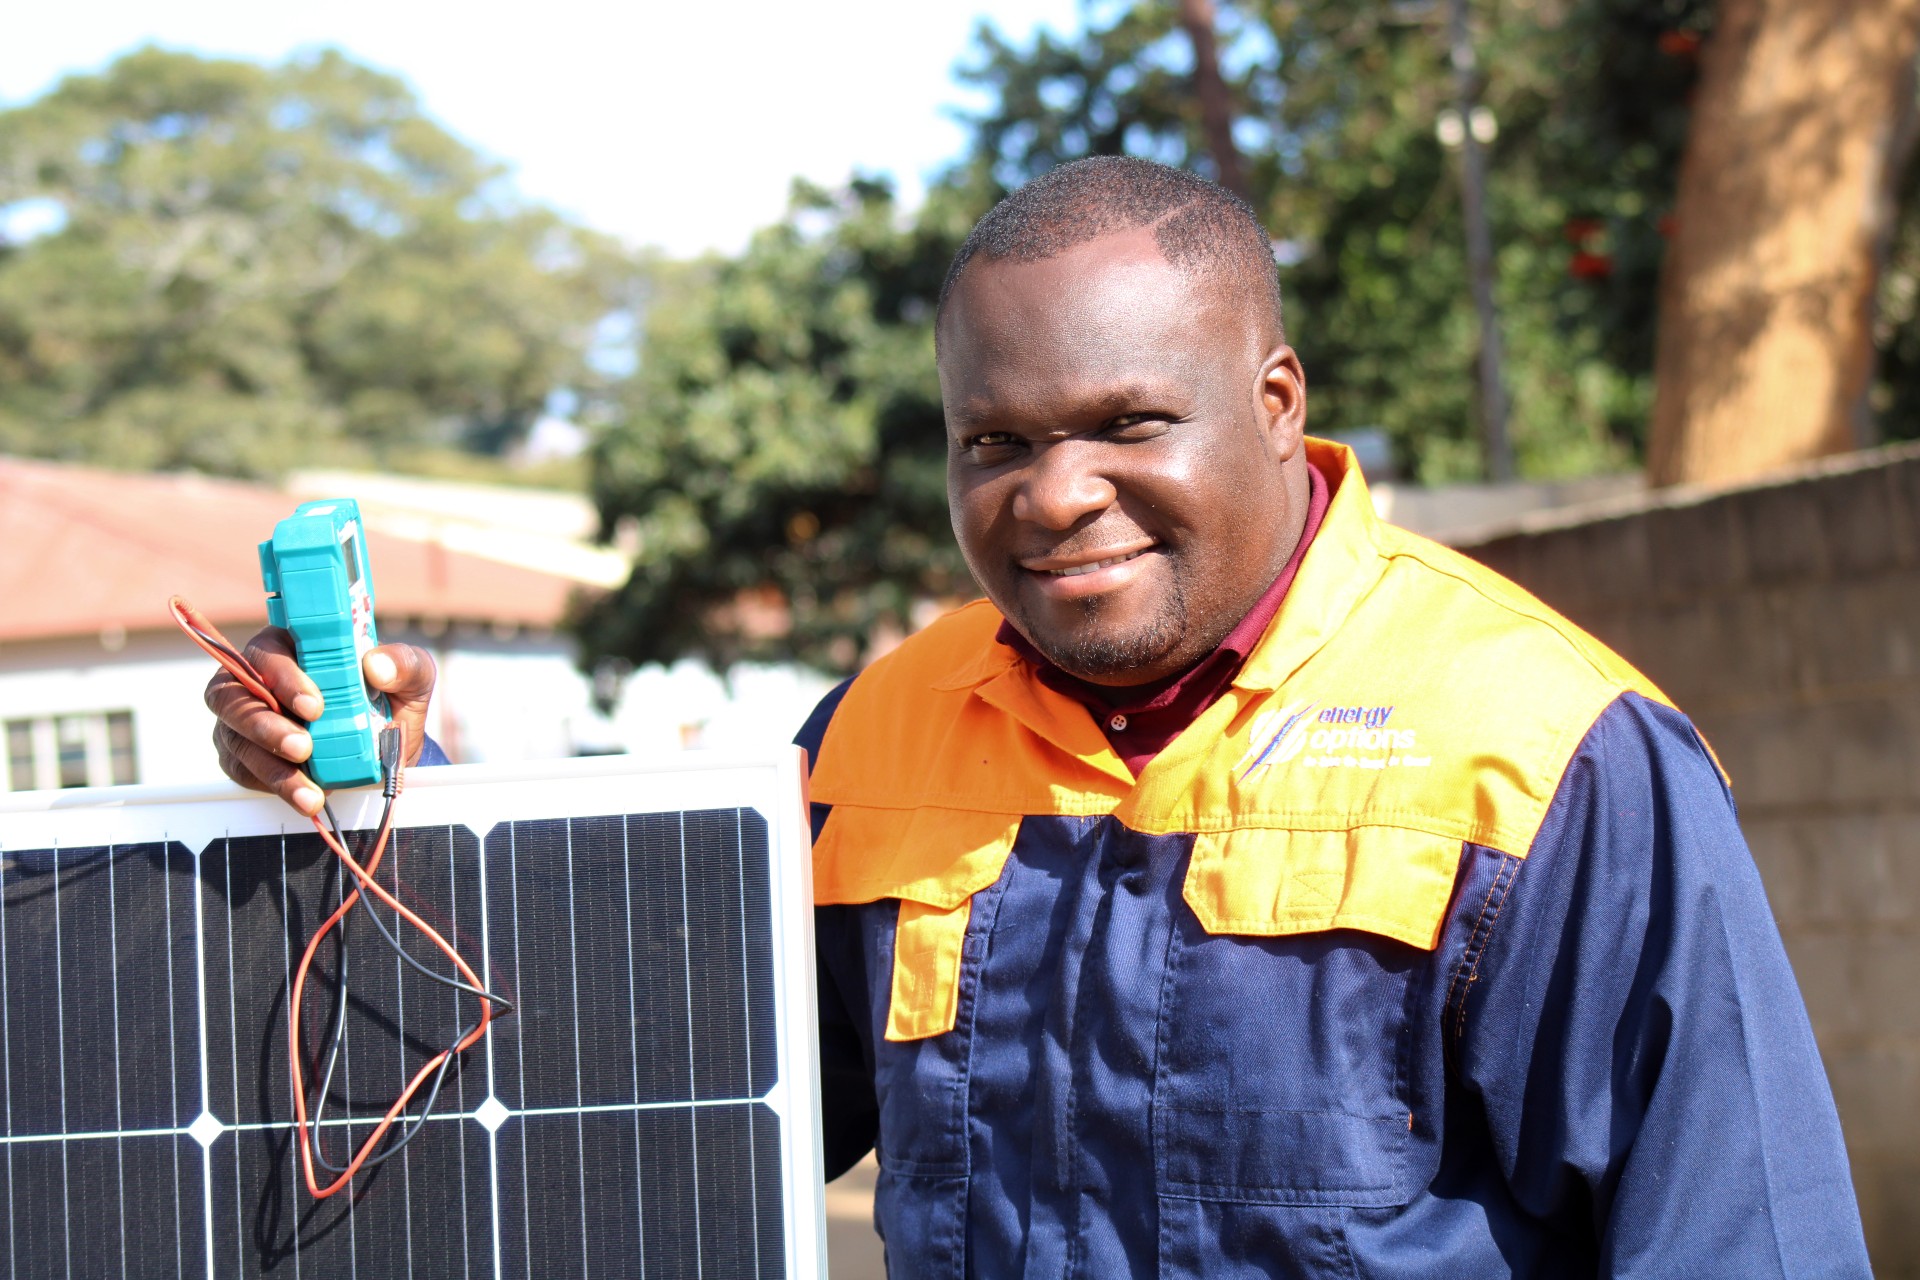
(1125, 290)
(1094, 321)
(1121, 261)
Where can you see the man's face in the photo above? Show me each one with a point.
(1124, 466)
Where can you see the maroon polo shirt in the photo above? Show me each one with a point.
(1140, 720)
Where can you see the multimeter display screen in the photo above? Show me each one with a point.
(351, 545)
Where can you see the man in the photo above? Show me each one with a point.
(1252, 888)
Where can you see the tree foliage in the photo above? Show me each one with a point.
(240, 268)
(1338, 106)
(781, 458)
(783, 440)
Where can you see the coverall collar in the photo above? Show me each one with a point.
(1340, 567)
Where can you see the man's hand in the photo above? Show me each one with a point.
(263, 750)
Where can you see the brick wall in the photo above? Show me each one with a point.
(1785, 618)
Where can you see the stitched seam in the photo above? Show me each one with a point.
(1513, 873)
(969, 1004)
(1506, 874)
(1343, 1220)
(1546, 620)
(1161, 1085)
(1071, 1263)
(1155, 1106)
(1231, 1190)
(1284, 924)
(1281, 1111)
(956, 1227)
(1467, 952)
(1403, 1066)
(1564, 747)
(1505, 878)
(1320, 821)
(1381, 1197)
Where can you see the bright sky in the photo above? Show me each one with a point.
(601, 108)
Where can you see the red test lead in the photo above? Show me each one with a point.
(434, 1071)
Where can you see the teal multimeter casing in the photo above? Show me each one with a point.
(320, 587)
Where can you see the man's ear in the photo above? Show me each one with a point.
(1283, 400)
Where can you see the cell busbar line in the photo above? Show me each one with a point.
(650, 1109)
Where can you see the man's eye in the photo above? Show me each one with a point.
(989, 443)
(1139, 425)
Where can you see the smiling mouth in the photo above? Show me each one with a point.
(1080, 569)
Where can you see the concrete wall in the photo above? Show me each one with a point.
(1785, 618)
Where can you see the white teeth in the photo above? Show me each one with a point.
(1079, 569)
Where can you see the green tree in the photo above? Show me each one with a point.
(782, 443)
(248, 267)
(781, 460)
(1337, 108)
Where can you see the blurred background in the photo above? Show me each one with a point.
(618, 325)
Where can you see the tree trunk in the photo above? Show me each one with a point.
(1766, 297)
(1216, 109)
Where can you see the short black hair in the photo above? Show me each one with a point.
(1200, 227)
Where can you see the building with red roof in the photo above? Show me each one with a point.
(98, 687)
(88, 551)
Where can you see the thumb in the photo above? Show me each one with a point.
(405, 674)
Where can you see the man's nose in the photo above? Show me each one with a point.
(1060, 487)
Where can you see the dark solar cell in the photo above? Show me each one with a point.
(69, 914)
(95, 1046)
(659, 952)
(621, 1133)
(104, 1207)
(265, 896)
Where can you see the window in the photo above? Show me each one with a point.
(93, 749)
(120, 759)
(70, 738)
(20, 754)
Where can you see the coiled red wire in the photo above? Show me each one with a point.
(208, 637)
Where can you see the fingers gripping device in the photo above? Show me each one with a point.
(320, 588)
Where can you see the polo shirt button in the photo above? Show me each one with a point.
(1118, 723)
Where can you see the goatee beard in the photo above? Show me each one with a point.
(1093, 652)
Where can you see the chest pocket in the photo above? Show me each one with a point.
(930, 879)
(932, 861)
(1289, 1015)
(923, 871)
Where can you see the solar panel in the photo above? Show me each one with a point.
(651, 1108)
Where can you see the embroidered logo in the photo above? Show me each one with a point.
(1283, 744)
(1334, 737)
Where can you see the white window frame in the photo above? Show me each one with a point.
(45, 740)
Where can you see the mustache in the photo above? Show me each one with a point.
(1084, 542)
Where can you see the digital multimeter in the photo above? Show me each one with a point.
(320, 587)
